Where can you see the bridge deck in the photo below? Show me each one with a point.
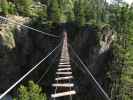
(63, 81)
(62, 94)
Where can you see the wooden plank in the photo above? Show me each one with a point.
(63, 85)
(64, 59)
(64, 69)
(63, 73)
(62, 94)
(65, 56)
(64, 65)
(64, 78)
(64, 62)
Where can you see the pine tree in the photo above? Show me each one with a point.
(67, 10)
(61, 11)
(127, 75)
(120, 19)
(24, 6)
(4, 6)
(97, 10)
(32, 92)
(54, 13)
(80, 12)
(12, 9)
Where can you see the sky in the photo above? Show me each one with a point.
(128, 1)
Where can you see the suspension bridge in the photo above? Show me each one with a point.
(63, 83)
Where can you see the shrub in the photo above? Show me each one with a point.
(31, 92)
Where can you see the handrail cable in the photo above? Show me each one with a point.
(47, 70)
(23, 77)
(44, 33)
(88, 71)
(80, 68)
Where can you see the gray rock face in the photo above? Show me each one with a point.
(87, 48)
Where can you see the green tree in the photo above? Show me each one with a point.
(32, 92)
(4, 6)
(12, 8)
(98, 10)
(54, 12)
(80, 12)
(24, 7)
(67, 10)
(121, 17)
(127, 75)
(70, 10)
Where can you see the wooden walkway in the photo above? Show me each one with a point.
(63, 82)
